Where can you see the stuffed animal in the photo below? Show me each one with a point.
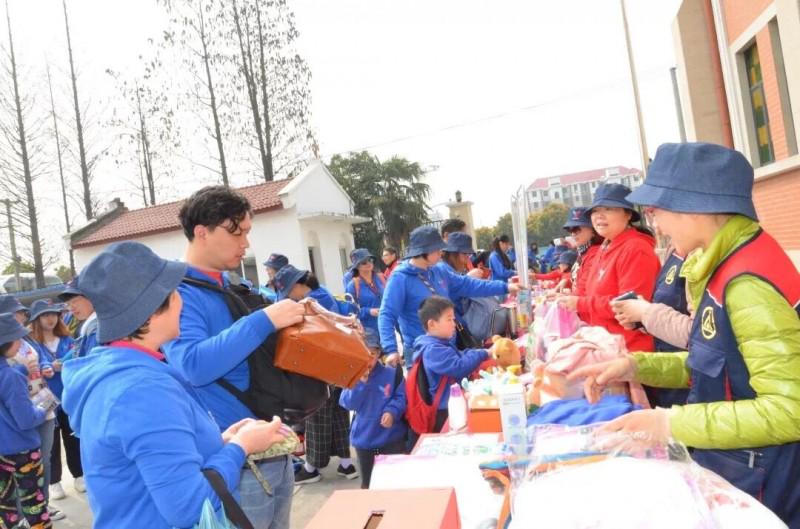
(505, 352)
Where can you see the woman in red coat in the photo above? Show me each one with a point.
(625, 262)
(587, 243)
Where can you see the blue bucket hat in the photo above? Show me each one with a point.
(44, 306)
(698, 178)
(71, 291)
(612, 196)
(126, 283)
(576, 218)
(425, 239)
(10, 329)
(568, 258)
(459, 242)
(286, 278)
(9, 303)
(276, 261)
(358, 256)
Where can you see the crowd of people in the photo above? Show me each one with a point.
(156, 387)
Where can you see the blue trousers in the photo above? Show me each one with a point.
(263, 510)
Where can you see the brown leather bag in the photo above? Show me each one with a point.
(325, 346)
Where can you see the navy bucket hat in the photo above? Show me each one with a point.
(358, 256)
(70, 292)
(458, 242)
(423, 240)
(10, 329)
(276, 261)
(9, 303)
(612, 196)
(126, 283)
(698, 178)
(44, 306)
(286, 278)
(576, 219)
(568, 258)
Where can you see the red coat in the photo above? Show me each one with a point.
(390, 269)
(584, 270)
(628, 263)
(556, 276)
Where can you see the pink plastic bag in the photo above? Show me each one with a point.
(560, 322)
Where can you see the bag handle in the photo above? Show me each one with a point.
(233, 511)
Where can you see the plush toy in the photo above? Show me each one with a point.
(505, 352)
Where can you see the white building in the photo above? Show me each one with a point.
(577, 189)
(308, 218)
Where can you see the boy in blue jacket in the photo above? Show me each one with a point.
(440, 358)
(379, 401)
(21, 470)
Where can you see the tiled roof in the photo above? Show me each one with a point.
(164, 217)
(594, 175)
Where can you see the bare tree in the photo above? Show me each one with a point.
(59, 154)
(16, 158)
(88, 206)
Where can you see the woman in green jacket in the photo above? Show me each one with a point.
(743, 361)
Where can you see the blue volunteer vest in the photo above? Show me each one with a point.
(719, 373)
(670, 291)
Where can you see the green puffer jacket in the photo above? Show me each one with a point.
(767, 330)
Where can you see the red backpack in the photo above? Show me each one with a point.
(421, 411)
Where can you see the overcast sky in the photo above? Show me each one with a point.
(492, 94)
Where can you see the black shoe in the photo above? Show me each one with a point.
(349, 472)
(303, 476)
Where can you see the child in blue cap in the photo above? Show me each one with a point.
(742, 366)
(146, 439)
(21, 470)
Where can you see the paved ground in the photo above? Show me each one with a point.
(307, 500)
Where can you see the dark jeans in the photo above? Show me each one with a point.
(366, 459)
(72, 446)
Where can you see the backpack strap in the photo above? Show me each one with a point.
(398, 378)
(444, 383)
(357, 285)
(233, 511)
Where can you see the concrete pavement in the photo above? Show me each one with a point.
(308, 499)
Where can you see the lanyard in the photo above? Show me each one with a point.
(427, 284)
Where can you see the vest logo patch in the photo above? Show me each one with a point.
(671, 275)
(707, 325)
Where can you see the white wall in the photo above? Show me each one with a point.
(277, 232)
(316, 191)
(330, 235)
(170, 245)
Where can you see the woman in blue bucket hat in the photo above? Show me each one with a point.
(743, 361)
(417, 279)
(145, 438)
(367, 286)
(626, 262)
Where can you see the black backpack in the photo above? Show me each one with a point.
(272, 391)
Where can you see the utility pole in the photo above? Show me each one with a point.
(13, 243)
(635, 83)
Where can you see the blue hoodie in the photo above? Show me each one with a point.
(440, 359)
(212, 346)
(405, 292)
(144, 442)
(368, 300)
(19, 418)
(370, 401)
(499, 271)
(46, 358)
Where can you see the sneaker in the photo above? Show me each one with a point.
(303, 476)
(55, 514)
(79, 484)
(57, 492)
(349, 472)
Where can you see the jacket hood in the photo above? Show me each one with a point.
(82, 375)
(425, 340)
(632, 234)
(407, 268)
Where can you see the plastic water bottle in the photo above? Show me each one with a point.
(457, 409)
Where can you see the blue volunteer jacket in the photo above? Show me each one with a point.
(405, 292)
(370, 401)
(46, 358)
(144, 441)
(368, 300)
(87, 340)
(499, 271)
(346, 278)
(441, 359)
(212, 346)
(19, 418)
(323, 296)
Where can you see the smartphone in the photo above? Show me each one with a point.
(626, 296)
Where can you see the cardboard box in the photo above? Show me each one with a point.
(483, 414)
(389, 509)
